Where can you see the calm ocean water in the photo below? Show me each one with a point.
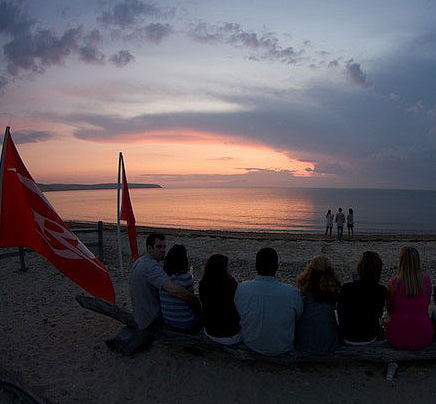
(258, 209)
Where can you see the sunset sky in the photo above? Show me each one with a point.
(222, 93)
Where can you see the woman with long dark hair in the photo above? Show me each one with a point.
(361, 303)
(217, 292)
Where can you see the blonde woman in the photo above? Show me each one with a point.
(317, 330)
(409, 294)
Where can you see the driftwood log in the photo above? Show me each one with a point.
(12, 391)
(131, 339)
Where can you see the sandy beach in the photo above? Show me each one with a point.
(57, 349)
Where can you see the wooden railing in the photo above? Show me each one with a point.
(99, 243)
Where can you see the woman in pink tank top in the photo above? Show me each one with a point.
(409, 294)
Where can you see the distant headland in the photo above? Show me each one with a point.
(79, 187)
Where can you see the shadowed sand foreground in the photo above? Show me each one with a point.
(57, 348)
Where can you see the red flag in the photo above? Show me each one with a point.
(127, 214)
(28, 219)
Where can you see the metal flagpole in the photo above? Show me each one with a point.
(120, 251)
(2, 163)
(2, 166)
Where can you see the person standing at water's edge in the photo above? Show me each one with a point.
(340, 220)
(350, 223)
(148, 278)
(329, 223)
(268, 308)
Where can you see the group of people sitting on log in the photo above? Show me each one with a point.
(271, 317)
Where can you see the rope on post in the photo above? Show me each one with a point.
(22, 250)
(100, 241)
(22, 263)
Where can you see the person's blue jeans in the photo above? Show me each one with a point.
(340, 231)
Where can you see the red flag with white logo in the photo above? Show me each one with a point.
(28, 219)
(127, 214)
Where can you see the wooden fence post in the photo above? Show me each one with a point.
(23, 264)
(100, 241)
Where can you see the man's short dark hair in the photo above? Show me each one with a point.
(152, 237)
(267, 262)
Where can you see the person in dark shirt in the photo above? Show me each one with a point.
(217, 292)
(360, 305)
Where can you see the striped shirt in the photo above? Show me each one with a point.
(175, 311)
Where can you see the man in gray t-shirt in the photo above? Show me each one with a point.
(147, 278)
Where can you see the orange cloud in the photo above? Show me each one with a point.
(68, 159)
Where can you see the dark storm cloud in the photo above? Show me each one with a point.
(333, 63)
(400, 167)
(122, 58)
(329, 168)
(14, 19)
(408, 74)
(31, 137)
(36, 51)
(154, 32)
(414, 83)
(91, 55)
(31, 49)
(128, 13)
(355, 73)
(265, 46)
(354, 136)
(93, 37)
(127, 21)
(3, 83)
(322, 120)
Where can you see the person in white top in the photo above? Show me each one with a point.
(329, 223)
